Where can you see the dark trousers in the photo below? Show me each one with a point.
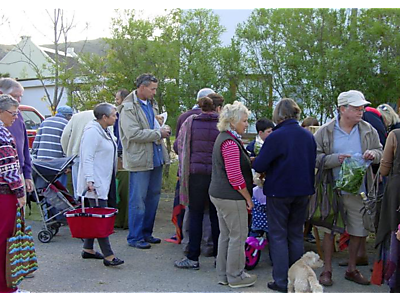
(104, 243)
(198, 200)
(286, 217)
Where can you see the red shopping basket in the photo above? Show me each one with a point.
(92, 222)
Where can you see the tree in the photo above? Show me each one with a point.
(60, 65)
(200, 55)
(312, 55)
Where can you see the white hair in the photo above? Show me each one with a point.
(231, 114)
(7, 85)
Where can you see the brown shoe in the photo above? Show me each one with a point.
(326, 278)
(357, 277)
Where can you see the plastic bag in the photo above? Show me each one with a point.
(352, 173)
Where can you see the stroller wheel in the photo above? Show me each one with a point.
(252, 257)
(45, 236)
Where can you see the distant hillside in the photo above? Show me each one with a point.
(97, 46)
(4, 49)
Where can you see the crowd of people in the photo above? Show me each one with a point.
(221, 181)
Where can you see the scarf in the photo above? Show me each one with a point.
(184, 139)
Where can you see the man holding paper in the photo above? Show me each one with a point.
(143, 154)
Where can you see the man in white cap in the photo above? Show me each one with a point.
(348, 134)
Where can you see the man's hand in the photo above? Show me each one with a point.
(369, 155)
(165, 132)
(342, 157)
(29, 185)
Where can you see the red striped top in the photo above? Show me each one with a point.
(231, 155)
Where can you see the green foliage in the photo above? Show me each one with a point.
(310, 55)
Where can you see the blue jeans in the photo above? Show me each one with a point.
(144, 195)
(286, 217)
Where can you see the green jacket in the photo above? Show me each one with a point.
(136, 136)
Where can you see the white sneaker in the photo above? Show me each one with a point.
(21, 291)
(246, 280)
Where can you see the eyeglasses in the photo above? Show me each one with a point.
(14, 114)
(356, 109)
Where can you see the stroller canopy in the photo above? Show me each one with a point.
(51, 169)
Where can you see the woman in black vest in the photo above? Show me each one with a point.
(230, 191)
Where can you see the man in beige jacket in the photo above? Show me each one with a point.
(143, 154)
(343, 137)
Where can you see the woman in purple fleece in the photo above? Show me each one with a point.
(195, 145)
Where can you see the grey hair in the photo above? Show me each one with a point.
(6, 102)
(286, 109)
(7, 85)
(204, 93)
(231, 114)
(103, 109)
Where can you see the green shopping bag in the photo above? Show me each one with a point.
(21, 257)
(325, 207)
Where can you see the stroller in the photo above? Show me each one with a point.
(51, 196)
(259, 226)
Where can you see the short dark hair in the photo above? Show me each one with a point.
(263, 124)
(123, 93)
(103, 109)
(145, 79)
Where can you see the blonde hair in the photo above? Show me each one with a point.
(286, 109)
(231, 114)
(389, 115)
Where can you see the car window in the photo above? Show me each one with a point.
(32, 120)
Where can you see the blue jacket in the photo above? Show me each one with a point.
(288, 158)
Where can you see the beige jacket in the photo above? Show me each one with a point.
(136, 136)
(369, 141)
(73, 131)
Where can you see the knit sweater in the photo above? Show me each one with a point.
(10, 181)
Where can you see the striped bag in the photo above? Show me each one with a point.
(21, 257)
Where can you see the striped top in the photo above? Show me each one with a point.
(10, 181)
(231, 155)
(47, 144)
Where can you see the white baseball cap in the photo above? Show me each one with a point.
(353, 98)
(204, 92)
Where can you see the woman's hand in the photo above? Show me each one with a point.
(249, 204)
(90, 186)
(21, 201)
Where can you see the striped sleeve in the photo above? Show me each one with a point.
(9, 167)
(231, 155)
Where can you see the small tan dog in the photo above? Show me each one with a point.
(301, 276)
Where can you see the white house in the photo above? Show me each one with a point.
(20, 63)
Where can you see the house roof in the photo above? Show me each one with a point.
(20, 60)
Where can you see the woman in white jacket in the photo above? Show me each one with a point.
(98, 161)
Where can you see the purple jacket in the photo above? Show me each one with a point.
(18, 130)
(182, 118)
(204, 134)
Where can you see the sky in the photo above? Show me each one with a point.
(37, 23)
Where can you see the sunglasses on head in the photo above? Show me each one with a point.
(145, 78)
(383, 107)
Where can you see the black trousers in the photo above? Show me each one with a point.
(199, 199)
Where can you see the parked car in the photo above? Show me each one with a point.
(32, 119)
